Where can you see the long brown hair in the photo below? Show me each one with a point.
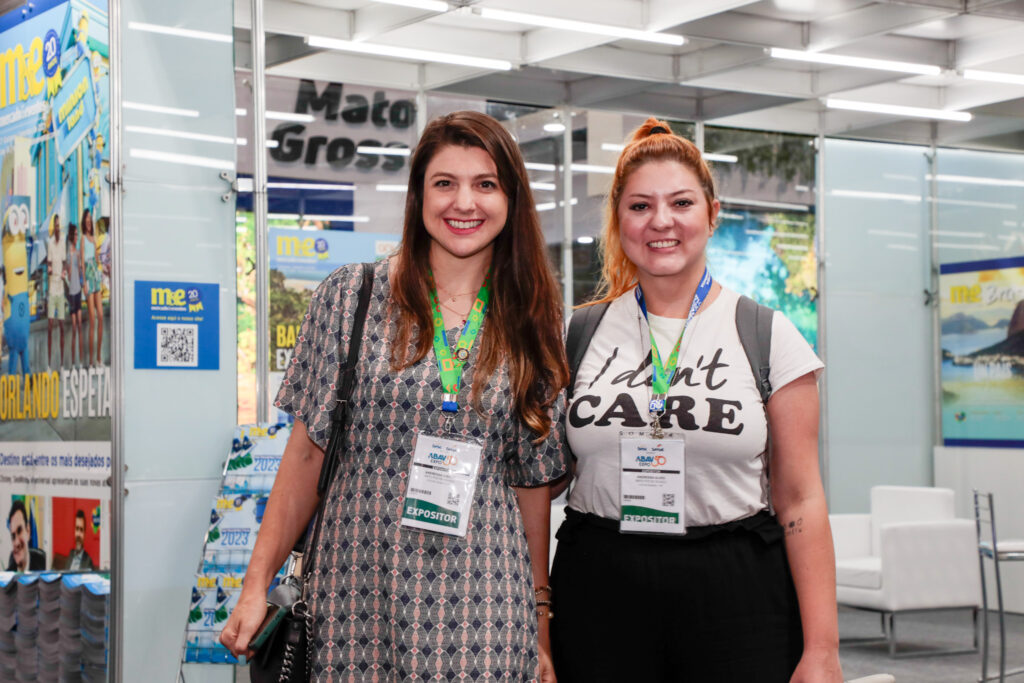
(524, 317)
(618, 273)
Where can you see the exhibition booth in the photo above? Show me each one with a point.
(177, 177)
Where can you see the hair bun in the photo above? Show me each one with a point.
(658, 129)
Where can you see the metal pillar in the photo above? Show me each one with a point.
(567, 239)
(118, 357)
(819, 248)
(259, 209)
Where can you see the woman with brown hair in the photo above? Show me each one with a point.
(463, 334)
(718, 550)
(93, 291)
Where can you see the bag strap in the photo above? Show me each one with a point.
(754, 324)
(582, 326)
(335, 444)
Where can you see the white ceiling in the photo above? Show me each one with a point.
(722, 75)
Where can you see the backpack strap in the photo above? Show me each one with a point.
(754, 324)
(582, 326)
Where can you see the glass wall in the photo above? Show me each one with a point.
(878, 319)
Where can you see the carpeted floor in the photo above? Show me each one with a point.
(923, 632)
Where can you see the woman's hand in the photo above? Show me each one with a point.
(241, 626)
(545, 668)
(818, 666)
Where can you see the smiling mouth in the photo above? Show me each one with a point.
(662, 244)
(464, 225)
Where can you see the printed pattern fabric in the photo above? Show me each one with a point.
(398, 604)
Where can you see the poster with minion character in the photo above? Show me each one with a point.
(54, 204)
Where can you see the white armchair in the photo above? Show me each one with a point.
(909, 554)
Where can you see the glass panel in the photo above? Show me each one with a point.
(764, 246)
(877, 260)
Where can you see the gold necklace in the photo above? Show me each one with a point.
(452, 297)
(463, 316)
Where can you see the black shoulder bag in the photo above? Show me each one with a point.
(286, 656)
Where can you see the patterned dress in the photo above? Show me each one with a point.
(399, 604)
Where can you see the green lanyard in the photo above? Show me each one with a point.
(451, 368)
(663, 374)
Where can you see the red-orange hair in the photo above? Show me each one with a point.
(618, 273)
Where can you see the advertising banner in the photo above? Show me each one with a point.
(56, 504)
(55, 398)
(177, 325)
(55, 282)
(982, 327)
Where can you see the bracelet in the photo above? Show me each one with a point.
(541, 612)
(538, 591)
(542, 603)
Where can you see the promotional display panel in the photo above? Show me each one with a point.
(235, 517)
(55, 401)
(982, 327)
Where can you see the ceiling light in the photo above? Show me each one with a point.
(765, 204)
(288, 116)
(858, 62)
(898, 110)
(239, 112)
(186, 159)
(970, 247)
(725, 158)
(592, 168)
(976, 180)
(585, 240)
(866, 194)
(554, 127)
(994, 76)
(336, 219)
(904, 247)
(271, 144)
(547, 187)
(429, 5)
(386, 151)
(157, 109)
(580, 26)
(535, 166)
(612, 147)
(408, 53)
(346, 187)
(180, 32)
(547, 206)
(384, 187)
(170, 133)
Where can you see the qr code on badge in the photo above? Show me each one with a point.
(177, 346)
(668, 499)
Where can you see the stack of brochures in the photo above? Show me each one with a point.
(8, 621)
(49, 627)
(95, 618)
(70, 629)
(26, 637)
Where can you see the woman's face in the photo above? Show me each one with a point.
(464, 208)
(664, 221)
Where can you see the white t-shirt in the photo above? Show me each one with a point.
(55, 249)
(714, 403)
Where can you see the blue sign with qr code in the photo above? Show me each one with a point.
(177, 325)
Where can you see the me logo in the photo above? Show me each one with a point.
(302, 248)
(321, 249)
(165, 296)
(442, 459)
(650, 460)
(195, 299)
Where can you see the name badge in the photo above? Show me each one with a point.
(442, 480)
(652, 490)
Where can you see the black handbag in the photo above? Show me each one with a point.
(287, 654)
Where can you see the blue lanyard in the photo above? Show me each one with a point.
(662, 374)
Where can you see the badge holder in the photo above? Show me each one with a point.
(442, 480)
(652, 480)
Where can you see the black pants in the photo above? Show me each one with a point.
(715, 605)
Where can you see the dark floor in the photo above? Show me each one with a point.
(923, 632)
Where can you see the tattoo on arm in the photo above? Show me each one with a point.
(794, 526)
